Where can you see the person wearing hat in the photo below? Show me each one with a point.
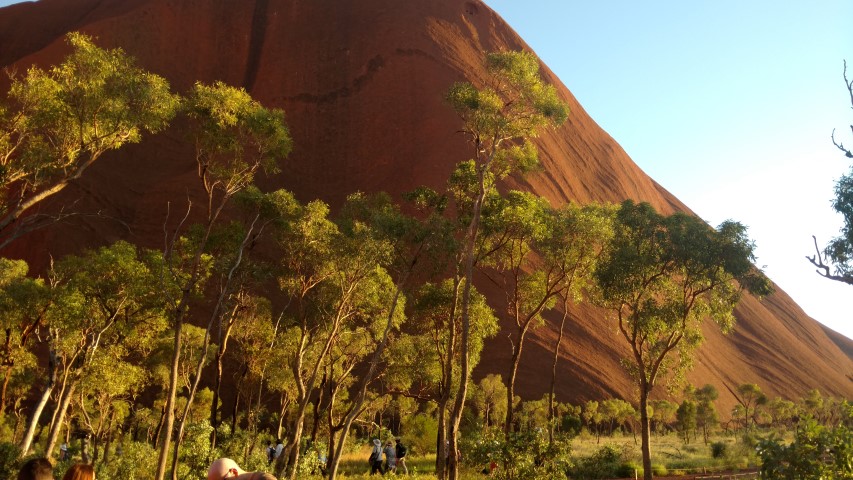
(376, 457)
(223, 468)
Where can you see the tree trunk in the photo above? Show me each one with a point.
(60, 417)
(645, 428)
(39, 407)
(551, 413)
(441, 440)
(220, 354)
(6, 376)
(510, 389)
(465, 344)
(169, 424)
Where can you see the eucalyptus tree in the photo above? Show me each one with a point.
(107, 395)
(575, 238)
(235, 137)
(512, 225)
(102, 301)
(332, 279)
(749, 397)
(706, 413)
(424, 241)
(424, 363)
(685, 419)
(23, 304)
(662, 414)
(499, 118)
(58, 122)
(661, 277)
(490, 399)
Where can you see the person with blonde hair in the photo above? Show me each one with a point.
(224, 468)
(80, 471)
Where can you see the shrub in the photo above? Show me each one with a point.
(134, 463)
(9, 453)
(718, 449)
(659, 470)
(608, 462)
(421, 432)
(523, 455)
(817, 452)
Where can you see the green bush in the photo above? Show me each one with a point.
(608, 462)
(421, 432)
(718, 449)
(134, 463)
(817, 452)
(9, 453)
(659, 470)
(523, 455)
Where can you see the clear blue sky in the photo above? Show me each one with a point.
(728, 104)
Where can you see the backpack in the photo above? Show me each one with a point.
(374, 456)
(401, 450)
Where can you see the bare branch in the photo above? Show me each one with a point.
(823, 269)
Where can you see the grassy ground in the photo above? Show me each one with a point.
(670, 456)
(669, 452)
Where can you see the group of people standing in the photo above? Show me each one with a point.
(42, 469)
(395, 457)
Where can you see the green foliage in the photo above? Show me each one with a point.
(686, 419)
(134, 463)
(608, 462)
(196, 453)
(236, 136)
(60, 121)
(9, 455)
(817, 452)
(421, 432)
(520, 455)
(663, 275)
(718, 449)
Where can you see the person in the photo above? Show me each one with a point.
(390, 457)
(63, 451)
(36, 469)
(279, 447)
(223, 468)
(270, 453)
(401, 451)
(376, 457)
(80, 471)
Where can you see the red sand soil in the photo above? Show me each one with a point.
(362, 84)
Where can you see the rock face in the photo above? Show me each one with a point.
(362, 84)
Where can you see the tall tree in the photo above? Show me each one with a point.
(750, 397)
(24, 302)
(58, 122)
(575, 239)
(103, 300)
(660, 278)
(499, 119)
(424, 363)
(333, 278)
(235, 138)
(512, 226)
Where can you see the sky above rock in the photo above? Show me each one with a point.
(728, 104)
